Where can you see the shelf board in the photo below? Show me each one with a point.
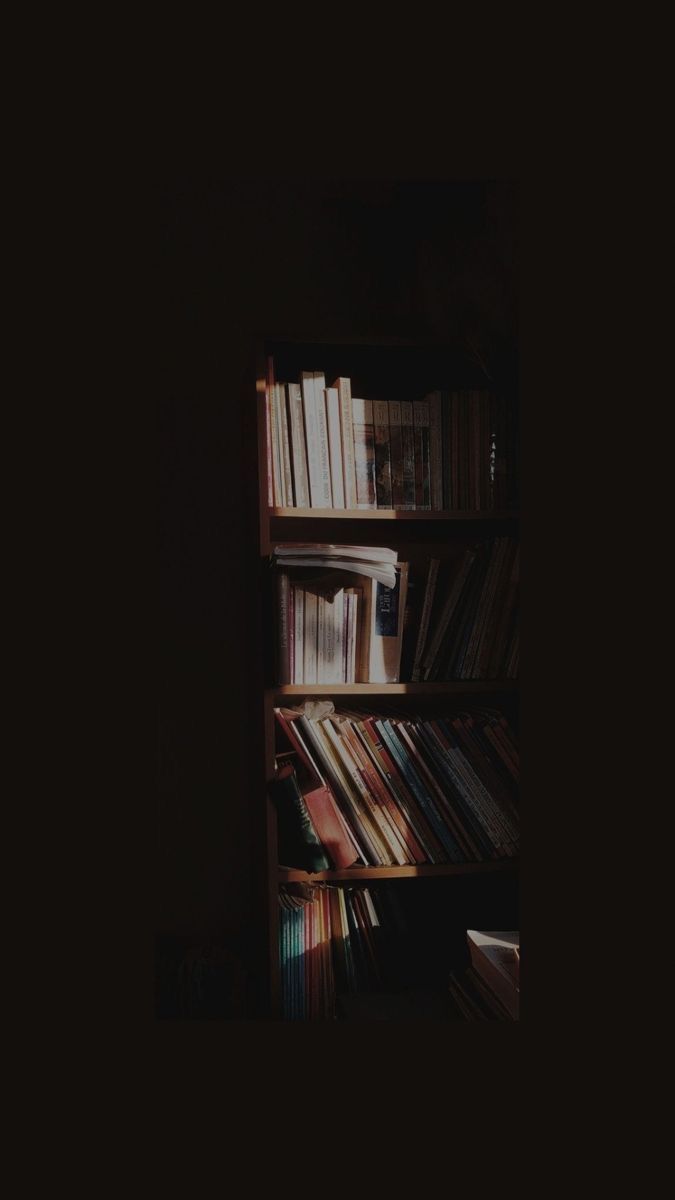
(453, 687)
(391, 514)
(291, 875)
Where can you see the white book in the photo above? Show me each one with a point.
(324, 641)
(387, 610)
(371, 554)
(495, 957)
(277, 470)
(285, 446)
(335, 446)
(352, 628)
(326, 495)
(344, 388)
(299, 446)
(299, 628)
(312, 433)
(310, 638)
(335, 667)
(364, 453)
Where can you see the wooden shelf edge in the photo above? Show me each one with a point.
(292, 875)
(451, 688)
(391, 514)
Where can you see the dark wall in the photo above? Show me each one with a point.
(319, 259)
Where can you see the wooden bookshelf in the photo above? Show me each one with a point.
(388, 514)
(422, 532)
(421, 870)
(452, 688)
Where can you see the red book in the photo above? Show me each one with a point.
(321, 806)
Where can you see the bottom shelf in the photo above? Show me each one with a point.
(292, 875)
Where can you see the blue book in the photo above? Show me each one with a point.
(416, 786)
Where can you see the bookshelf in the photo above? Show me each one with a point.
(391, 370)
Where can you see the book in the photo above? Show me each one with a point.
(396, 454)
(335, 447)
(298, 446)
(435, 451)
(408, 446)
(334, 834)
(344, 390)
(432, 576)
(422, 461)
(299, 844)
(364, 453)
(495, 956)
(284, 435)
(381, 436)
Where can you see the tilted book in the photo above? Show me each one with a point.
(298, 841)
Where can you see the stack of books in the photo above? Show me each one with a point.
(328, 449)
(489, 990)
(388, 790)
(339, 943)
(468, 626)
(340, 613)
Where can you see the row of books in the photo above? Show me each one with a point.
(339, 626)
(489, 989)
(329, 449)
(337, 943)
(335, 625)
(467, 627)
(367, 788)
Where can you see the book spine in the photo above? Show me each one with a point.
(269, 384)
(408, 444)
(435, 809)
(401, 794)
(454, 452)
(382, 453)
(349, 793)
(312, 434)
(277, 468)
(396, 452)
(324, 452)
(386, 629)
(463, 450)
(360, 777)
(436, 451)
(422, 465)
(283, 597)
(335, 445)
(376, 796)
(429, 591)
(414, 783)
(299, 621)
(364, 452)
(473, 793)
(311, 638)
(496, 554)
(344, 387)
(369, 818)
(475, 829)
(436, 796)
(286, 446)
(300, 473)
(323, 637)
(446, 454)
(447, 612)
(378, 787)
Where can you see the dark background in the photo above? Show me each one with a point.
(319, 259)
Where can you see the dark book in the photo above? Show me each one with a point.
(383, 490)
(299, 844)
